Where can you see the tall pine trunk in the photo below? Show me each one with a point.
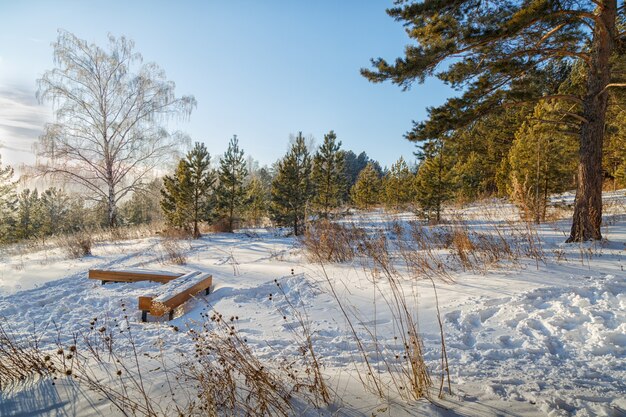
(587, 220)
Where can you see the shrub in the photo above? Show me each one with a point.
(78, 244)
(332, 242)
(173, 251)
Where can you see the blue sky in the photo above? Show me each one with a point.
(258, 69)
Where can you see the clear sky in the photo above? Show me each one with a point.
(258, 69)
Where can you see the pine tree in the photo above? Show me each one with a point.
(292, 187)
(328, 175)
(143, 206)
(367, 189)
(542, 161)
(256, 201)
(468, 176)
(177, 197)
(8, 202)
(434, 184)
(231, 191)
(29, 215)
(187, 197)
(354, 165)
(55, 209)
(397, 187)
(614, 154)
(501, 53)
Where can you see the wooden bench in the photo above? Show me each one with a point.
(132, 275)
(174, 294)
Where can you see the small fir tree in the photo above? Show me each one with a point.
(177, 196)
(143, 206)
(542, 161)
(366, 190)
(8, 202)
(231, 192)
(328, 175)
(55, 208)
(292, 187)
(397, 188)
(256, 201)
(614, 154)
(187, 197)
(433, 183)
(29, 215)
(468, 176)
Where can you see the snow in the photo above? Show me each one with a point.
(180, 284)
(524, 338)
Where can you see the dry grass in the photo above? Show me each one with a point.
(232, 380)
(103, 359)
(78, 245)
(20, 358)
(173, 251)
(75, 244)
(332, 242)
(316, 384)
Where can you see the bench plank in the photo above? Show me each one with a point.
(132, 275)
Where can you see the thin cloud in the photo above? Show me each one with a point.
(22, 120)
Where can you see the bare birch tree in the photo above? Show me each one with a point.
(110, 110)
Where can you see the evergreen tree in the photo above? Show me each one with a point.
(55, 209)
(433, 183)
(328, 175)
(614, 160)
(187, 196)
(366, 191)
(29, 215)
(497, 53)
(355, 164)
(542, 161)
(78, 216)
(232, 174)
(292, 187)
(397, 187)
(256, 201)
(265, 176)
(177, 197)
(143, 206)
(479, 148)
(8, 202)
(468, 176)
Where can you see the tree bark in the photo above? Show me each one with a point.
(112, 207)
(295, 225)
(587, 220)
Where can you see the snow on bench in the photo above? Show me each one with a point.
(174, 293)
(132, 275)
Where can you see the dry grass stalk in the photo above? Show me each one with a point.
(78, 244)
(304, 338)
(173, 251)
(231, 377)
(93, 360)
(331, 242)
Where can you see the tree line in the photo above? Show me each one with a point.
(234, 192)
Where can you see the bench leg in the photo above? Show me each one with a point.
(144, 316)
(103, 282)
(171, 314)
(207, 291)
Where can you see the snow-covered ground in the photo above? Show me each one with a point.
(523, 337)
